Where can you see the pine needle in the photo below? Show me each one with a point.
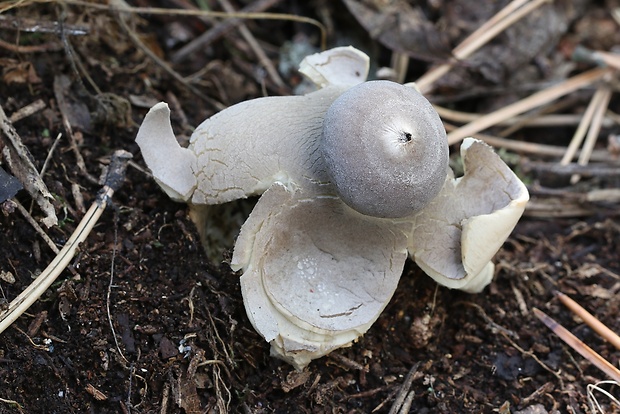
(575, 343)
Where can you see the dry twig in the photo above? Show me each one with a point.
(27, 110)
(218, 30)
(60, 83)
(402, 404)
(36, 227)
(122, 19)
(258, 51)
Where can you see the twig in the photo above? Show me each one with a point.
(385, 400)
(402, 403)
(63, 106)
(534, 357)
(25, 24)
(109, 291)
(76, 64)
(49, 154)
(218, 30)
(532, 101)
(27, 110)
(165, 396)
(22, 302)
(224, 15)
(12, 402)
(498, 23)
(36, 226)
(42, 48)
(368, 393)
(122, 19)
(557, 208)
(258, 51)
(490, 322)
(574, 342)
(349, 363)
(34, 344)
(132, 372)
(600, 328)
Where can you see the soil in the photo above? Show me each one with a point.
(142, 321)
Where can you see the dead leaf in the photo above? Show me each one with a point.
(294, 379)
(7, 277)
(99, 396)
(184, 392)
(14, 71)
(596, 291)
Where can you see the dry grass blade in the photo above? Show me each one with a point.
(498, 23)
(595, 128)
(551, 120)
(574, 342)
(540, 111)
(600, 328)
(542, 150)
(532, 101)
(34, 291)
(580, 132)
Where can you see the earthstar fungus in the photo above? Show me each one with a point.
(354, 179)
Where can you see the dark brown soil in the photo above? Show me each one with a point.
(181, 339)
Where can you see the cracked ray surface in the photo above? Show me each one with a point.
(316, 272)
